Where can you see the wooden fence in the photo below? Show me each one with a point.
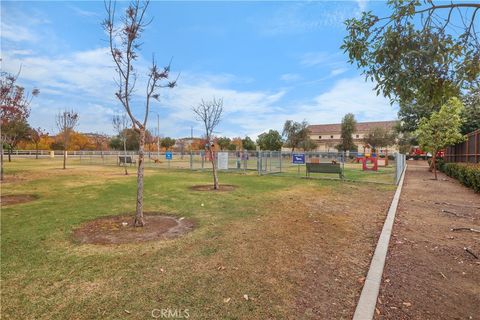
(466, 151)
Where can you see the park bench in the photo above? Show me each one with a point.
(324, 168)
(125, 160)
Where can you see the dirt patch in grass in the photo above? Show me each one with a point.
(120, 229)
(428, 274)
(209, 187)
(11, 199)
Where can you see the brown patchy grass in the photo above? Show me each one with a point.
(297, 248)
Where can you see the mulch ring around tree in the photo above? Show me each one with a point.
(11, 199)
(209, 187)
(120, 229)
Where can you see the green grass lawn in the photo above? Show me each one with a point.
(46, 275)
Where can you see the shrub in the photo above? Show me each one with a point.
(468, 174)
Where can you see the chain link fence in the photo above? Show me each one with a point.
(389, 170)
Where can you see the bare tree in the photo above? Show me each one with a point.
(36, 135)
(100, 140)
(66, 122)
(121, 123)
(124, 46)
(210, 113)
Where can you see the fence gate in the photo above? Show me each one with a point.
(269, 162)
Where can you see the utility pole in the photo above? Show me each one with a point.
(191, 132)
(158, 136)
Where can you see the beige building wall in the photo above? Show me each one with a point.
(327, 137)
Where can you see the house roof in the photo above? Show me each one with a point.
(318, 129)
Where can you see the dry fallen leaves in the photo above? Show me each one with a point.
(245, 296)
(226, 300)
(407, 304)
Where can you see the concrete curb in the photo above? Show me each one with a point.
(368, 298)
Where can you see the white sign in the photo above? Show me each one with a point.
(222, 160)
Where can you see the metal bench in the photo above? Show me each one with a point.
(125, 160)
(324, 168)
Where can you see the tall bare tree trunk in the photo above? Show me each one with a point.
(1, 163)
(9, 154)
(139, 222)
(434, 164)
(65, 158)
(36, 151)
(125, 154)
(214, 168)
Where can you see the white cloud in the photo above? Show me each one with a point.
(301, 17)
(347, 95)
(86, 72)
(84, 81)
(289, 77)
(338, 71)
(15, 32)
(362, 5)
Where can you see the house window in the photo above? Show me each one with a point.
(319, 137)
(331, 137)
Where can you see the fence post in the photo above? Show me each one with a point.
(281, 159)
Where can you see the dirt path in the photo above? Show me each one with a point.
(428, 274)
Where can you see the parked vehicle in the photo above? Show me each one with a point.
(417, 153)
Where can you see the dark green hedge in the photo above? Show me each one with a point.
(467, 173)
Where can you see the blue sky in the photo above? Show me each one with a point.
(270, 61)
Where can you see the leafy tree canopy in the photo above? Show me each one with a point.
(296, 133)
(421, 55)
(379, 137)
(271, 140)
(223, 142)
(442, 129)
(471, 112)
(349, 125)
(167, 143)
(248, 143)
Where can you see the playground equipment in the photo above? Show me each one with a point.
(372, 158)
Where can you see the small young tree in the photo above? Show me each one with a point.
(120, 124)
(124, 46)
(167, 143)
(223, 142)
(66, 122)
(36, 135)
(349, 125)
(441, 129)
(296, 133)
(271, 140)
(14, 111)
(210, 113)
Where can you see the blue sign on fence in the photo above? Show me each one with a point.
(168, 155)
(298, 158)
